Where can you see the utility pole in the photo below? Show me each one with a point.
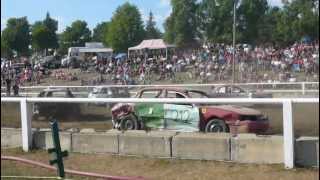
(234, 41)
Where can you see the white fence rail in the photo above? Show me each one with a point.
(288, 130)
(32, 90)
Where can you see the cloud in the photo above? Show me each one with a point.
(144, 15)
(61, 23)
(3, 23)
(275, 3)
(164, 2)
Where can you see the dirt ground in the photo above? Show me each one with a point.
(164, 169)
(306, 118)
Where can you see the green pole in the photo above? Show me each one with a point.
(58, 154)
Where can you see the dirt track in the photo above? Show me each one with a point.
(306, 118)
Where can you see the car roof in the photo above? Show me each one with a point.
(173, 89)
(54, 90)
(163, 88)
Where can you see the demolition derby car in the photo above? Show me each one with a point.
(186, 117)
(232, 91)
(55, 109)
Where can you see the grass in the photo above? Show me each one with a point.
(155, 168)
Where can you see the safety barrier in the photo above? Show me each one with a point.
(288, 132)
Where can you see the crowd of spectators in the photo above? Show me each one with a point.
(210, 63)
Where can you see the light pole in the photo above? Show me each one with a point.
(234, 41)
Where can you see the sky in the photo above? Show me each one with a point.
(91, 11)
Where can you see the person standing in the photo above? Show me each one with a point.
(8, 78)
(15, 87)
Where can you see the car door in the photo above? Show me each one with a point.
(151, 114)
(179, 116)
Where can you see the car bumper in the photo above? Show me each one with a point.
(257, 127)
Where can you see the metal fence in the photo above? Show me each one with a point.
(272, 87)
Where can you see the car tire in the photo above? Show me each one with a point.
(129, 122)
(216, 126)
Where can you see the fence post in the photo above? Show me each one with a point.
(26, 116)
(303, 88)
(288, 134)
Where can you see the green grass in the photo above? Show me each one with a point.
(154, 168)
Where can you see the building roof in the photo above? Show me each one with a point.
(95, 50)
(152, 44)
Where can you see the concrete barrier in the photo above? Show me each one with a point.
(210, 146)
(249, 148)
(43, 139)
(307, 151)
(245, 148)
(141, 143)
(11, 137)
(97, 142)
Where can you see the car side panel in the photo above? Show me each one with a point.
(181, 117)
(151, 114)
(208, 112)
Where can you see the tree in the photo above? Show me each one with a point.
(151, 31)
(75, 35)
(100, 33)
(44, 34)
(215, 20)
(16, 35)
(169, 34)
(126, 28)
(41, 35)
(251, 13)
(181, 25)
(6, 52)
(305, 18)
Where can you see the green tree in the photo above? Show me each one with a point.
(100, 32)
(41, 35)
(16, 35)
(181, 25)
(305, 18)
(75, 35)
(151, 31)
(6, 52)
(215, 20)
(126, 28)
(251, 13)
(169, 34)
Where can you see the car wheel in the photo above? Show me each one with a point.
(129, 122)
(216, 126)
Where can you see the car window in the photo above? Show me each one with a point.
(174, 94)
(95, 90)
(150, 94)
(222, 90)
(194, 94)
(236, 90)
(49, 94)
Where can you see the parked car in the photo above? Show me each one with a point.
(55, 109)
(71, 62)
(108, 92)
(232, 91)
(184, 116)
(50, 62)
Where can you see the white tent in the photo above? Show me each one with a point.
(151, 44)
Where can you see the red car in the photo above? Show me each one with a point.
(186, 117)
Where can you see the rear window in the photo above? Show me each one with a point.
(150, 94)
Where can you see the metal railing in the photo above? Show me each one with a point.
(264, 87)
